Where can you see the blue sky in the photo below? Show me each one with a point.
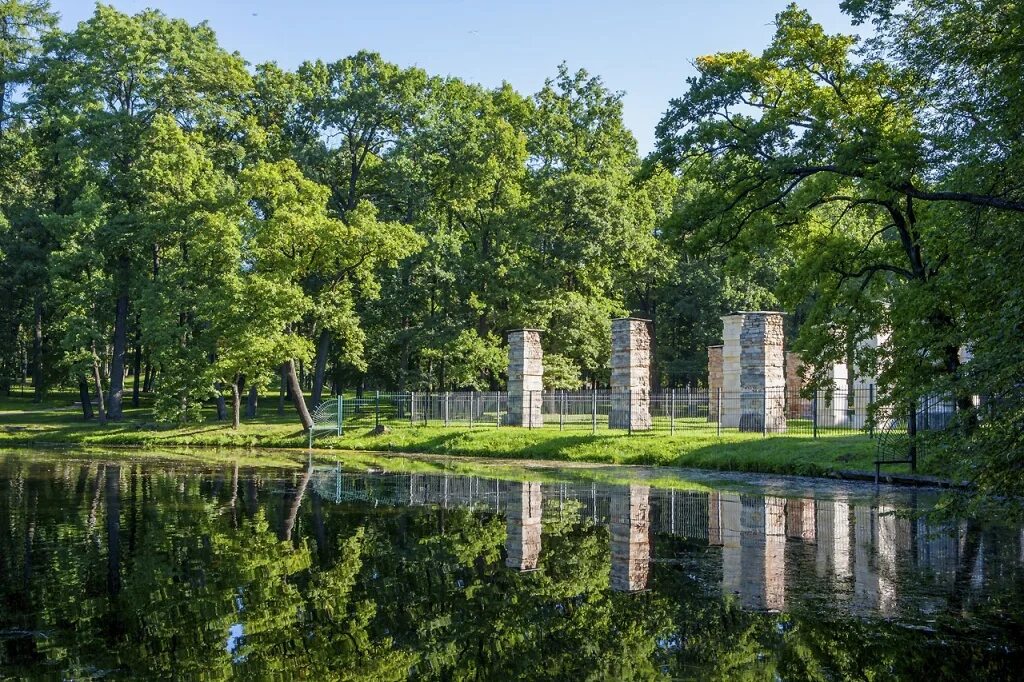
(643, 47)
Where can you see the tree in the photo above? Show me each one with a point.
(113, 76)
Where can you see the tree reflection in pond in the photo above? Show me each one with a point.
(150, 569)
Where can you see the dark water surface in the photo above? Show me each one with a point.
(152, 568)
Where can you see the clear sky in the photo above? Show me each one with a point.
(644, 47)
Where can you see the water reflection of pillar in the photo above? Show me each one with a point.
(523, 525)
(832, 527)
(729, 514)
(775, 553)
(890, 541)
(630, 526)
(752, 551)
(714, 519)
(865, 577)
(800, 520)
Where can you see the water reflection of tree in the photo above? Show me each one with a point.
(180, 573)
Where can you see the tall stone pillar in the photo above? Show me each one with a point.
(797, 406)
(832, 409)
(714, 380)
(630, 525)
(523, 526)
(753, 371)
(525, 378)
(631, 375)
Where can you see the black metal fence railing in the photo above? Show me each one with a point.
(674, 411)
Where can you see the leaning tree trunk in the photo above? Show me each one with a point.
(83, 395)
(114, 410)
(297, 399)
(99, 386)
(323, 347)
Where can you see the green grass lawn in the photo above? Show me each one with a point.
(695, 443)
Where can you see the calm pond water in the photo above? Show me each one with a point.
(155, 568)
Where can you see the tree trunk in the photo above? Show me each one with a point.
(323, 347)
(83, 395)
(136, 365)
(297, 398)
(222, 408)
(114, 410)
(252, 404)
(37, 351)
(236, 412)
(147, 384)
(284, 389)
(99, 386)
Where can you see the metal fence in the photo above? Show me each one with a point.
(636, 412)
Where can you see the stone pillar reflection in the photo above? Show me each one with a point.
(833, 538)
(630, 524)
(730, 509)
(775, 553)
(525, 378)
(800, 520)
(523, 526)
(752, 551)
(865, 577)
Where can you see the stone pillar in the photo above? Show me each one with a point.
(631, 375)
(523, 526)
(753, 372)
(797, 407)
(630, 525)
(714, 381)
(525, 378)
(832, 410)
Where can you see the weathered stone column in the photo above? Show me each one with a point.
(631, 375)
(523, 526)
(714, 381)
(753, 371)
(832, 409)
(525, 378)
(797, 406)
(630, 525)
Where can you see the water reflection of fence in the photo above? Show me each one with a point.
(767, 544)
(681, 410)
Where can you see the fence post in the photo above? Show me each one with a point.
(561, 412)
(871, 401)
(497, 408)
(719, 410)
(341, 412)
(376, 409)
(412, 407)
(593, 413)
(672, 414)
(471, 409)
(814, 413)
(764, 413)
(446, 395)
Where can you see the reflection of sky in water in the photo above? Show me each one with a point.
(234, 637)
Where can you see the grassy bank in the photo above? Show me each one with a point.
(58, 421)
